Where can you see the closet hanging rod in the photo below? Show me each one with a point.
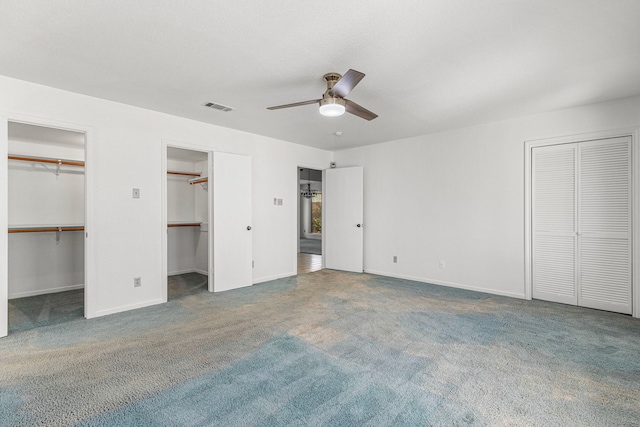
(185, 224)
(198, 181)
(183, 173)
(44, 229)
(45, 160)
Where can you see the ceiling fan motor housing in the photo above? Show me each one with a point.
(331, 79)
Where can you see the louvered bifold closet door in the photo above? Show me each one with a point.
(554, 223)
(604, 224)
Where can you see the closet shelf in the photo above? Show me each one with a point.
(46, 229)
(184, 224)
(46, 160)
(184, 173)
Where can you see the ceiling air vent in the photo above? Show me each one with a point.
(218, 106)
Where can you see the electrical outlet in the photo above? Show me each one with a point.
(395, 259)
(442, 264)
(136, 193)
(137, 282)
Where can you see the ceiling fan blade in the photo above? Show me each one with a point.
(346, 84)
(359, 111)
(297, 104)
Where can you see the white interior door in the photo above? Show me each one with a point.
(581, 224)
(232, 235)
(343, 215)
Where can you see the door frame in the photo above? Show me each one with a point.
(166, 143)
(297, 222)
(90, 276)
(634, 134)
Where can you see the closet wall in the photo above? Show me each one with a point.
(124, 146)
(458, 196)
(187, 246)
(202, 215)
(42, 195)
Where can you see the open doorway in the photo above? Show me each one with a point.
(310, 220)
(46, 223)
(187, 208)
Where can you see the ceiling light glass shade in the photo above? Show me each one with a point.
(332, 107)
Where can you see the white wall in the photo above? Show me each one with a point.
(201, 214)
(43, 262)
(181, 202)
(126, 151)
(459, 196)
(4, 223)
(37, 196)
(181, 249)
(180, 195)
(201, 199)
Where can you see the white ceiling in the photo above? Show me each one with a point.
(429, 65)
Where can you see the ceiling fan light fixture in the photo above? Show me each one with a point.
(331, 106)
(333, 102)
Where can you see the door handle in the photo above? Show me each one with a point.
(248, 227)
(359, 225)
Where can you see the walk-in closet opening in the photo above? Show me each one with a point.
(187, 222)
(46, 223)
(309, 220)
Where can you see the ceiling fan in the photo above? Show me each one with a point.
(333, 102)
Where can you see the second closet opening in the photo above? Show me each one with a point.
(187, 222)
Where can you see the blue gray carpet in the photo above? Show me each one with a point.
(42, 310)
(327, 349)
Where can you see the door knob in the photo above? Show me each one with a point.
(359, 225)
(248, 227)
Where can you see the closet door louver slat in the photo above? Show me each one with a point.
(604, 243)
(553, 222)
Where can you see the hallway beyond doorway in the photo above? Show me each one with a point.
(308, 263)
(311, 246)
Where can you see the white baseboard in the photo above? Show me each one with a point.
(15, 295)
(191, 270)
(123, 308)
(448, 284)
